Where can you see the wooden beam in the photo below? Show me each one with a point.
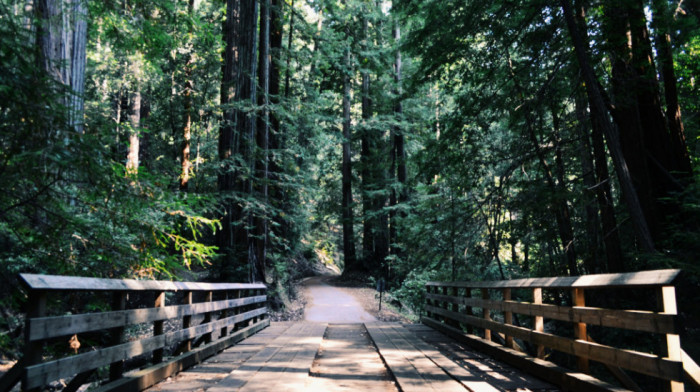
(636, 320)
(538, 321)
(74, 283)
(630, 279)
(51, 327)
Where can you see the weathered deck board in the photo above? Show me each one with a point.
(284, 364)
(489, 374)
(413, 370)
(300, 357)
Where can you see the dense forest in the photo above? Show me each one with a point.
(413, 140)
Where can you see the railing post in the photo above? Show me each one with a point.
(539, 320)
(486, 312)
(671, 348)
(209, 297)
(36, 307)
(469, 310)
(187, 321)
(580, 330)
(224, 314)
(116, 369)
(428, 302)
(158, 326)
(508, 316)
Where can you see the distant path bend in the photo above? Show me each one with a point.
(329, 304)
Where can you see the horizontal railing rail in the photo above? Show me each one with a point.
(465, 309)
(170, 329)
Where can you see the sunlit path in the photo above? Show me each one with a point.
(331, 305)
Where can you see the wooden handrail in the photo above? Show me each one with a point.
(629, 279)
(228, 313)
(454, 314)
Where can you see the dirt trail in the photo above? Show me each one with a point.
(330, 304)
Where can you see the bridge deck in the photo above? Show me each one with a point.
(349, 357)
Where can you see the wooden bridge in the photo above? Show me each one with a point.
(128, 335)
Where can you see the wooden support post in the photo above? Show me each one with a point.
(508, 317)
(428, 290)
(36, 307)
(116, 369)
(538, 322)
(671, 347)
(187, 321)
(237, 309)
(486, 312)
(469, 310)
(580, 330)
(209, 296)
(158, 326)
(444, 305)
(224, 314)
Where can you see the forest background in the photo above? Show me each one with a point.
(241, 140)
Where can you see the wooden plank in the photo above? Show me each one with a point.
(545, 370)
(464, 376)
(42, 374)
(148, 377)
(116, 369)
(636, 320)
(411, 368)
(58, 282)
(538, 321)
(284, 346)
(50, 327)
(33, 351)
(158, 326)
(289, 369)
(672, 345)
(691, 369)
(633, 360)
(630, 279)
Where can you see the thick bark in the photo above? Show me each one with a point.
(237, 135)
(276, 141)
(61, 39)
(599, 118)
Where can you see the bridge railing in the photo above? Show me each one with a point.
(460, 308)
(173, 325)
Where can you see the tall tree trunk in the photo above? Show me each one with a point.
(288, 71)
(185, 162)
(662, 26)
(351, 262)
(228, 146)
(398, 155)
(366, 164)
(132, 158)
(62, 39)
(598, 113)
(276, 141)
(592, 260)
(262, 138)
(603, 190)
